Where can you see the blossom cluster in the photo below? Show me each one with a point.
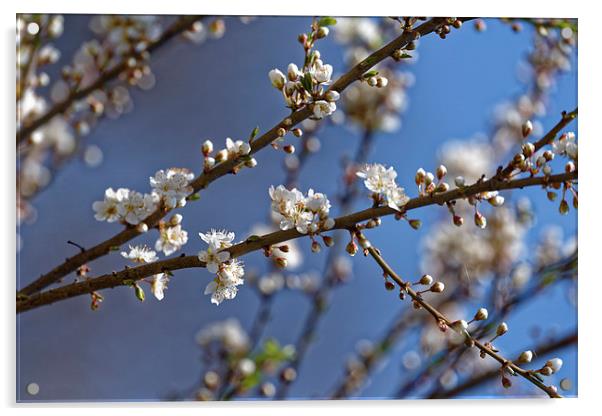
(229, 271)
(143, 255)
(381, 182)
(235, 149)
(308, 214)
(131, 207)
(306, 86)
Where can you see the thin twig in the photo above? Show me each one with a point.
(442, 319)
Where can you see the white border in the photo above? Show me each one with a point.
(590, 326)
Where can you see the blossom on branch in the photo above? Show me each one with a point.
(381, 181)
(307, 214)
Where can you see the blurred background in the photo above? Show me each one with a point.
(469, 90)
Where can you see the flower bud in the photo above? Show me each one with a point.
(322, 32)
(207, 147)
(481, 315)
(221, 156)
(501, 329)
(389, 285)
(429, 178)
(564, 207)
(442, 187)
(251, 163)
(569, 167)
(315, 247)
(289, 148)
(437, 287)
(288, 375)
(211, 380)
(460, 181)
(246, 366)
(496, 201)
(506, 382)
(281, 132)
(458, 220)
(480, 220)
(547, 170)
(351, 248)
(441, 172)
(527, 128)
(142, 227)
(528, 149)
(329, 223)
(372, 81)
(525, 356)
(292, 72)
(555, 364)
(244, 149)
(277, 78)
(459, 326)
(415, 224)
(381, 82)
(281, 262)
(209, 163)
(420, 176)
(139, 292)
(298, 132)
(175, 219)
(328, 241)
(426, 279)
(268, 389)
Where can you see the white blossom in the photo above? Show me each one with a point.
(277, 78)
(237, 148)
(381, 181)
(159, 284)
(323, 108)
(140, 254)
(224, 286)
(173, 186)
(305, 214)
(229, 332)
(320, 72)
(107, 209)
(566, 145)
(171, 239)
(134, 207)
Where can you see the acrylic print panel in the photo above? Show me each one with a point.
(226, 208)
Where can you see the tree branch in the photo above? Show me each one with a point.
(440, 318)
(175, 29)
(202, 181)
(121, 278)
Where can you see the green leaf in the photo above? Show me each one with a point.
(405, 55)
(252, 238)
(327, 21)
(139, 293)
(370, 74)
(307, 81)
(114, 248)
(194, 197)
(254, 133)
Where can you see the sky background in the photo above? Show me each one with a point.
(129, 350)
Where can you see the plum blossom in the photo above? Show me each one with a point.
(159, 284)
(134, 207)
(229, 333)
(381, 181)
(305, 214)
(171, 239)
(566, 145)
(140, 254)
(224, 286)
(237, 148)
(320, 72)
(107, 209)
(172, 186)
(323, 108)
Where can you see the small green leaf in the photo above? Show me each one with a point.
(252, 238)
(405, 55)
(327, 21)
(307, 81)
(370, 74)
(254, 133)
(194, 197)
(114, 248)
(139, 293)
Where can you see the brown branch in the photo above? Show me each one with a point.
(539, 350)
(71, 264)
(545, 140)
(173, 30)
(121, 278)
(440, 318)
